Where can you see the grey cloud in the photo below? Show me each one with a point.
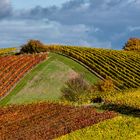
(15, 33)
(133, 28)
(100, 23)
(5, 8)
(89, 12)
(107, 15)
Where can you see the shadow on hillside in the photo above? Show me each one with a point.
(126, 110)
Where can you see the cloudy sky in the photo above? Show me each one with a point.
(96, 23)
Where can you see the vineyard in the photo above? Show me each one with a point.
(46, 121)
(6, 50)
(121, 66)
(32, 94)
(13, 68)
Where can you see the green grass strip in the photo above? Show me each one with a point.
(90, 77)
(24, 81)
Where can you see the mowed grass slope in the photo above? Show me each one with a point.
(45, 81)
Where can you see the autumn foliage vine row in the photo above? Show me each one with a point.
(13, 67)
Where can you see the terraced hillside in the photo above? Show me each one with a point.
(122, 66)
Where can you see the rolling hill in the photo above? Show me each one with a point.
(31, 102)
(122, 67)
(38, 85)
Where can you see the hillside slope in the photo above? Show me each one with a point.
(126, 126)
(46, 121)
(123, 67)
(44, 82)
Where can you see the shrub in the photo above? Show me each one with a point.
(78, 90)
(74, 88)
(32, 46)
(106, 85)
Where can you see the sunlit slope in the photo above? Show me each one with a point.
(44, 82)
(13, 68)
(123, 127)
(122, 66)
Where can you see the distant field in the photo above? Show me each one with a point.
(44, 83)
(6, 50)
